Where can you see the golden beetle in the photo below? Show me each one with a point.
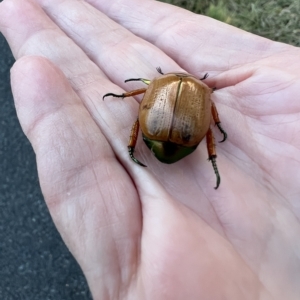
(174, 116)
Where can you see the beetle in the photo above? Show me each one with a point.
(174, 116)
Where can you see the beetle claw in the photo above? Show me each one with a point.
(131, 150)
(218, 183)
(133, 79)
(146, 81)
(205, 76)
(223, 132)
(114, 95)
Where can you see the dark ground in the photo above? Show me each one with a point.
(34, 262)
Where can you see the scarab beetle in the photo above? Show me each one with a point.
(174, 116)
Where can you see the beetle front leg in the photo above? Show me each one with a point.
(212, 154)
(132, 141)
(128, 94)
(217, 121)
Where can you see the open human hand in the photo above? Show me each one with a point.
(161, 232)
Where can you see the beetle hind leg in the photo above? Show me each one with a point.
(217, 121)
(212, 155)
(132, 142)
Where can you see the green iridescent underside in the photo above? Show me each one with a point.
(168, 152)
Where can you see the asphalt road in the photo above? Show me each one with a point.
(34, 262)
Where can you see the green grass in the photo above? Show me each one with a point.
(277, 20)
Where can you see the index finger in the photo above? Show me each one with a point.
(194, 41)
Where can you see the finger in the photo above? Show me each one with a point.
(84, 185)
(31, 32)
(197, 43)
(107, 43)
(37, 34)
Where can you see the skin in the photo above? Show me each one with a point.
(161, 232)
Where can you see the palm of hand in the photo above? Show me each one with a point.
(161, 233)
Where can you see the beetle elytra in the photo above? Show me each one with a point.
(174, 117)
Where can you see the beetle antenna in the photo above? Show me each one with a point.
(222, 131)
(204, 77)
(159, 71)
(214, 163)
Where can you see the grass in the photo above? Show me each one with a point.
(277, 20)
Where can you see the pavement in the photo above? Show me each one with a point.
(34, 262)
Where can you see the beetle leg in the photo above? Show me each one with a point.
(146, 81)
(132, 141)
(217, 121)
(128, 94)
(204, 77)
(212, 154)
(159, 71)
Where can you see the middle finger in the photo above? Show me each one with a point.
(99, 42)
(108, 44)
